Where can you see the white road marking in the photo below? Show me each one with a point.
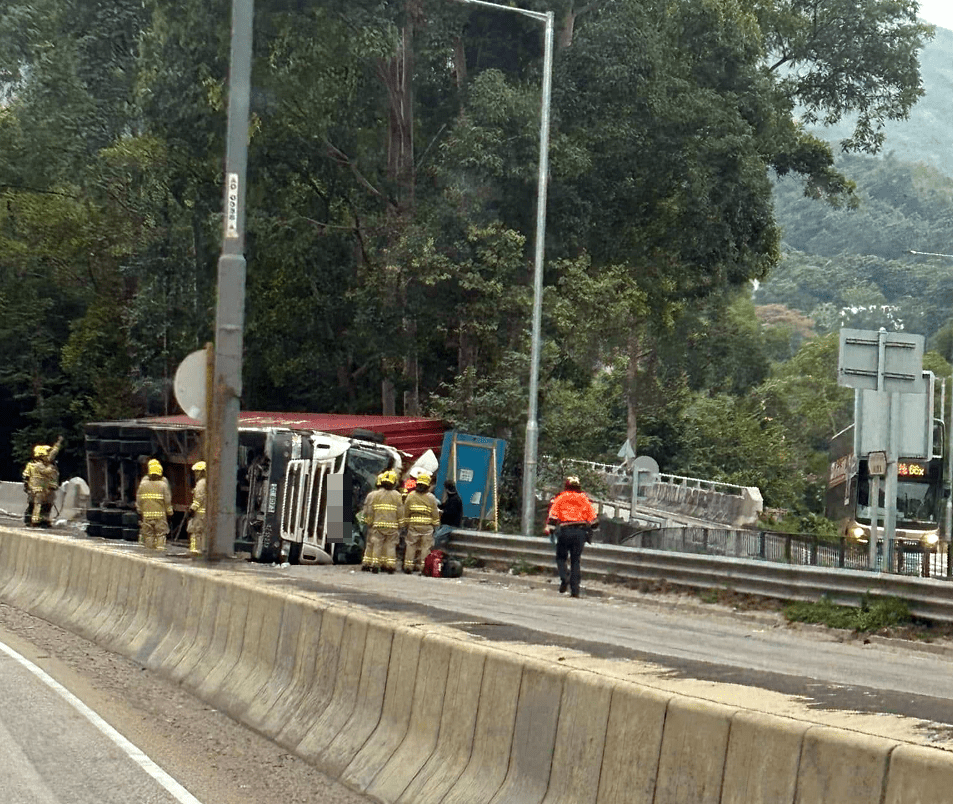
(176, 790)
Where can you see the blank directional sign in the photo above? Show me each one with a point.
(881, 361)
(189, 384)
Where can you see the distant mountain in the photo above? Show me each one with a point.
(927, 135)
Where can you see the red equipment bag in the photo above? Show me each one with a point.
(433, 563)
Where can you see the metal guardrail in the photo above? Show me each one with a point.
(910, 557)
(927, 598)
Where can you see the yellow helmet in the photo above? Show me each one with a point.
(155, 468)
(423, 479)
(390, 476)
(197, 467)
(41, 451)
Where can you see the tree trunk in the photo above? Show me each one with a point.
(388, 398)
(631, 388)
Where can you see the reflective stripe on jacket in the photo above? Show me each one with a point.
(384, 510)
(421, 510)
(154, 498)
(198, 497)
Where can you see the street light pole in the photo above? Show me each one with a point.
(530, 452)
(224, 401)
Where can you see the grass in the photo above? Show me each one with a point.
(521, 567)
(873, 614)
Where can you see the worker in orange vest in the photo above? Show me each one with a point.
(570, 523)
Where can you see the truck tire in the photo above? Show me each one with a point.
(112, 516)
(94, 515)
(111, 531)
(93, 529)
(294, 555)
(130, 534)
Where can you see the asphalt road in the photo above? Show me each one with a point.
(151, 742)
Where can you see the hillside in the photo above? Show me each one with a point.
(925, 136)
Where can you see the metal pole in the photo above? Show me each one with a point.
(890, 489)
(532, 427)
(230, 312)
(874, 500)
(948, 522)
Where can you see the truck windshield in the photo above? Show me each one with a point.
(365, 465)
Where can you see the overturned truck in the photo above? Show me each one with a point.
(301, 477)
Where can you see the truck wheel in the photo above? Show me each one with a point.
(93, 529)
(294, 555)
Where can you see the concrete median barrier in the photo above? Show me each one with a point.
(395, 715)
(493, 734)
(258, 659)
(694, 747)
(427, 696)
(345, 690)
(278, 677)
(415, 715)
(762, 762)
(339, 750)
(580, 740)
(842, 766)
(633, 742)
(456, 733)
(307, 701)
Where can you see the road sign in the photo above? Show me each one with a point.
(625, 451)
(877, 463)
(189, 384)
(880, 361)
(914, 421)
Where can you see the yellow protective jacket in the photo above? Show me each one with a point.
(384, 510)
(198, 497)
(421, 512)
(42, 478)
(154, 498)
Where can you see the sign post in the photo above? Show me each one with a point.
(891, 365)
(877, 467)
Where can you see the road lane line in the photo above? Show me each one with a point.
(175, 789)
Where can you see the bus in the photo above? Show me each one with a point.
(919, 492)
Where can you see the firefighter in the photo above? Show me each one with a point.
(154, 504)
(423, 515)
(41, 479)
(383, 517)
(570, 523)
(196, 526)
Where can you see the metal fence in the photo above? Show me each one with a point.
(910, 558)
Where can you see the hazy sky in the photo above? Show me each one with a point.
(939, 12)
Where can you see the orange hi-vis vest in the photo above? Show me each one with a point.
(571, 506)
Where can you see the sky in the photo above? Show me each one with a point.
(939, 12)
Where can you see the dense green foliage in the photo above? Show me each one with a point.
(391, 213)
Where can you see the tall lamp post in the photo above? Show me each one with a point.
(226, 386)
(530, 453)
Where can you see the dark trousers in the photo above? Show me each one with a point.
(569, 544)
